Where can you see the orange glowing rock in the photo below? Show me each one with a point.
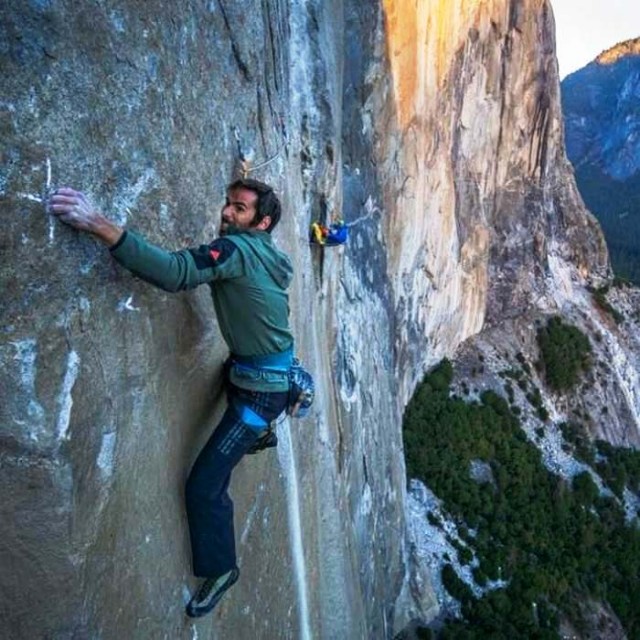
(422, 38)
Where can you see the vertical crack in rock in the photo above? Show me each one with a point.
(272, 58)
(540, 134)
(235, 48)
(502, 93)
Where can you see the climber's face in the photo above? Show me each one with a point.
(239, 209)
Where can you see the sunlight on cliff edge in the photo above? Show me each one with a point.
(422, 38)
(621, 50)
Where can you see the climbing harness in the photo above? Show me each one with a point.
(301, 387)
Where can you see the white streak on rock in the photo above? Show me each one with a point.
(249, 521)
(288, 466)
(106, 456)
(52, 226)
(127, 305)
(29, 196)
(366, 504)
(128, 199)
(65, 400)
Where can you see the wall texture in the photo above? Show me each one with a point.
(433, 128)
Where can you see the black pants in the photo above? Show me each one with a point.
(209, 506)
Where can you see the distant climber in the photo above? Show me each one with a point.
(336, 233)
(249, 278)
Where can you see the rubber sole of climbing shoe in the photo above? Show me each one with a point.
(267, 441)
(209, 594)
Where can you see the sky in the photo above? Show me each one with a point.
(584, 28)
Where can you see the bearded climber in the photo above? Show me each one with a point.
(248, 277)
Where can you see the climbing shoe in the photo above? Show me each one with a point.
(210, 592)
(268, 440)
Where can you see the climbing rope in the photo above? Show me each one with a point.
(246, 168)
(245, 162)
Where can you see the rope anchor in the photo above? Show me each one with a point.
(246, 157)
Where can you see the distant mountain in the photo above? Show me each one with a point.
(601, 105)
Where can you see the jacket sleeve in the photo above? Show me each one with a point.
(178, 270)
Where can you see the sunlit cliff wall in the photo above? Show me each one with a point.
(432, 127)
(485, 205)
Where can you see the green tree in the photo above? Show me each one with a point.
(565, 353)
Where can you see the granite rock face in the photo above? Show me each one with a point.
(446, 159)
(485, 207)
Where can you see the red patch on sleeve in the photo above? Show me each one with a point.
(215, 254)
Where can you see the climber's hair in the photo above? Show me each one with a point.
(268, 203)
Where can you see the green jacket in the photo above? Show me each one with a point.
(248, 277)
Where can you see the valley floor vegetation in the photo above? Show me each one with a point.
(557, 543)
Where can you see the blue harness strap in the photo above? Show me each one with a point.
(277, 362)
(250, 417)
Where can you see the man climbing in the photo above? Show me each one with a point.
(248, 277)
